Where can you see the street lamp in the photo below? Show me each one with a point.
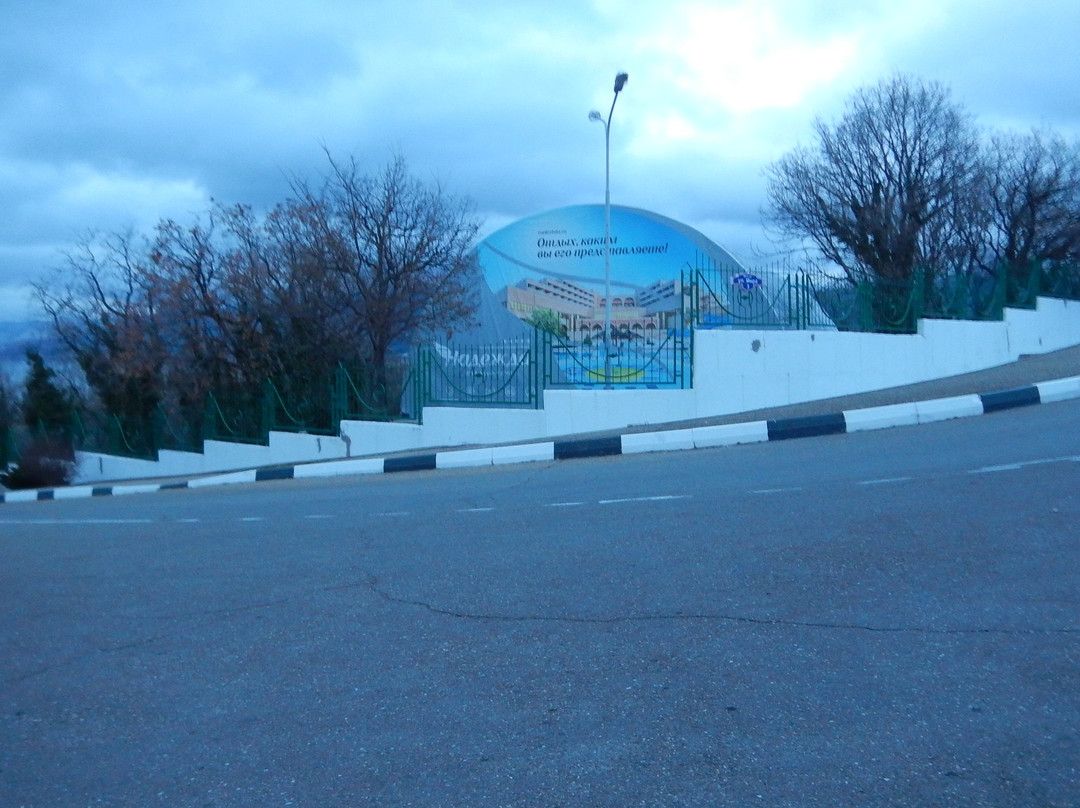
(620, 82)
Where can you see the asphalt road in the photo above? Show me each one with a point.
(881, 618)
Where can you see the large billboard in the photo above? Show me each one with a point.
(551, 266)
(567, 244)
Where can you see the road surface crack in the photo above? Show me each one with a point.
(690, 617)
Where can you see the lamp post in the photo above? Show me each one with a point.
(620, 82)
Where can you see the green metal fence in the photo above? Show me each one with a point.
(238, 416)
(515, 373)
(249, 416)
(868, 305)
(809, 297)
(970, 296)
(1060, 279)
(363, 394)
(733, 297)
(777, 296)
(626, 360)
(643, 352)
(506, 374)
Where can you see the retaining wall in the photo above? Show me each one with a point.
(734, 371)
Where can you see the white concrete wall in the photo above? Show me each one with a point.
(460, 426)
(1050, 327)
(299, 447)
(735, 371)
(91, 467)
(375, 437)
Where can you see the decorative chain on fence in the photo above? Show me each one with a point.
(362, 394)
(249, 416)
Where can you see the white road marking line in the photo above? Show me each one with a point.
(393, 513)
(319, 516)
(1024, 464)
(994, 469)
(776, 490)
(188, 521)
(565, 504)
(252, 518)
(76, 521)
(885, 481)
(475, 510)
(642, 499)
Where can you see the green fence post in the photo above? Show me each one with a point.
(918, 298)
(792, 298)
(547, 363)
(157, 429)
(537, 370)
(804, 297)
(418, 384)
(209, 431)
(268, 409)
(339, 393)
(1001, 293)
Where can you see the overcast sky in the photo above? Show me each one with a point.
(116, 113)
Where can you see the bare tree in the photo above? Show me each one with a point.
(1033, 196)
(344, 273)
(400, 251)
(103, 310)
(880, 192)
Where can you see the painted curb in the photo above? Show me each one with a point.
(463, 459)
(424, 462)
(339, 468)
(523, 453)
(1008, 399)
(709, 437)
(885, 417)
(674, 440)
(810, 426)
(944, 409)
(1059, 389)
(588, 447)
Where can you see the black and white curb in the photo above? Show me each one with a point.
(919, 412)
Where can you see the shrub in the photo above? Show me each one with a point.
(44, 464)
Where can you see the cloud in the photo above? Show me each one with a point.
(47, 202)
(116, 114)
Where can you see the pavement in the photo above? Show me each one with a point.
(1033, 379)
